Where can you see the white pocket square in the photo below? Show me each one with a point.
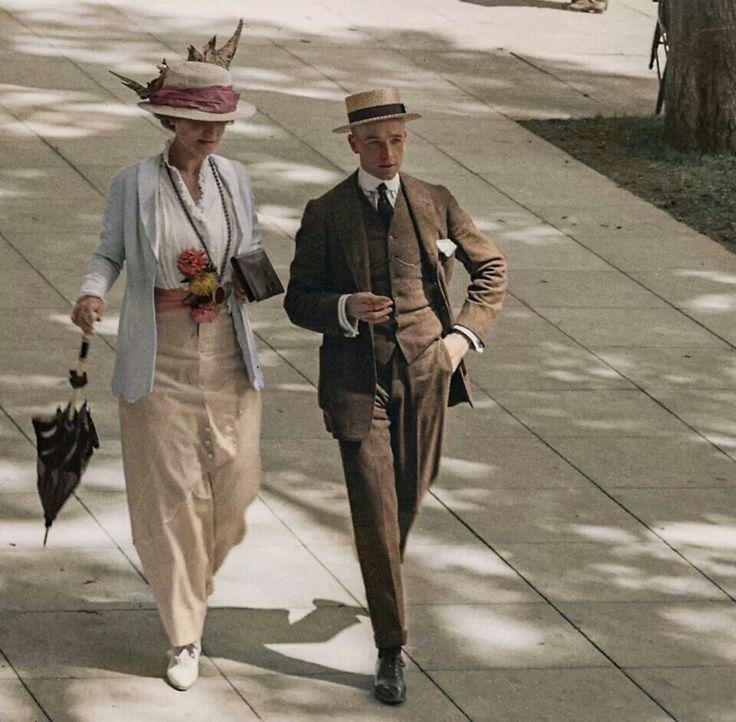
(446, 247)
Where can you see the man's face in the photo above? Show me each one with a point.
(381, 147)
(198, 137)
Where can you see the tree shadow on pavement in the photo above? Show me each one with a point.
(243, 641)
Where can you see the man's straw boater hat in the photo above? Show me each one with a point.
(373, 105)
(198, 88)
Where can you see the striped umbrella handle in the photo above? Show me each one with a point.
(78, 376)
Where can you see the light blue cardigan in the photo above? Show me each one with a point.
(129, 235)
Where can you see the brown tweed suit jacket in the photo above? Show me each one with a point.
(332, 259)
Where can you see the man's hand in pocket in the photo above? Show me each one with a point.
(457, 346)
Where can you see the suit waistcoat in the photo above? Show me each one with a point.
(399, 270)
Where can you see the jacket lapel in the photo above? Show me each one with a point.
(424, 215)
(351, 231)
(148, 172)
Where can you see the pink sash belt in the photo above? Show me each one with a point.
(167, 299)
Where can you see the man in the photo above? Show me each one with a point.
(373, 261)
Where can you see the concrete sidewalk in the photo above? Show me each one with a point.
(577, 561)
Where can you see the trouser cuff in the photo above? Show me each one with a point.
(391, 639)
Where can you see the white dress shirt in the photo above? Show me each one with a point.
(368, 183)
(176, 233)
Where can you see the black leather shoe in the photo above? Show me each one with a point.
(390, 687)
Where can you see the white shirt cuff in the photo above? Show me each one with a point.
(475, 342)
(349, 329)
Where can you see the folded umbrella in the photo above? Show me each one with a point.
(65, 442)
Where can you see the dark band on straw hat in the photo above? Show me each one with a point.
(377, 111)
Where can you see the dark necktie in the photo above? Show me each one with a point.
(384, 208)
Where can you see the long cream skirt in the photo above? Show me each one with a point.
(192, 465)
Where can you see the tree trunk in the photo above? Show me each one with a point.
(700, 106)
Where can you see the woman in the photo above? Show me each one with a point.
(186, 369)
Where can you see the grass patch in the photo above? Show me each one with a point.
(699, 190)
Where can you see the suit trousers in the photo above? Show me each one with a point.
(388, 473)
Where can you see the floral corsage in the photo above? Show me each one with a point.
(206, 294)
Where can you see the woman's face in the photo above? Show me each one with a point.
(198, 137)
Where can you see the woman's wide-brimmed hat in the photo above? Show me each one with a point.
(373, 105)
(199, 88)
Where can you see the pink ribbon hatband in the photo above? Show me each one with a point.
(212, 99)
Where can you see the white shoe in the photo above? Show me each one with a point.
(183, 667)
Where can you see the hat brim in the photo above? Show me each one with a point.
(396, 116)
(244, 110)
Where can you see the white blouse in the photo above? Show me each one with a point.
(176, 233)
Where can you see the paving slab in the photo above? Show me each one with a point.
(39, 183)
(88, 644)
(522, 326)
(497, 636)
(595, 412)
(597, 328)
(319, 639)
(691, 694)
(135, 697)
(685, 460)
(485, 417)
(439, 574)
(644, 246)
(535, 245)
(680, 367)
(27, 215)
(707, 295)
(303, 463)
(586, 289)
(120, 151)
(716, 559)
(254, 576)
(502, 462)
(314, 515)
(711, 413)
(293, 413)
(549, 365)
(587, 572)
(6, 671)
(659, 634)
(16, 698)
(21, 151)
(581, 513)
(623, 80)
(23, 525)
(274, 328)
(573, 695)
(51, 580)
(57, 267)
(703, 517)
(512, 87)
(321, 516)
(323, 697)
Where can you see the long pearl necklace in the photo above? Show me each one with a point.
(228, 222)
